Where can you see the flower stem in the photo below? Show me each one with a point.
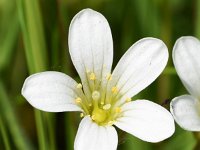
(4, 134)
(35, 49)
(7, 111)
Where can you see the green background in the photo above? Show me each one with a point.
(33, 38)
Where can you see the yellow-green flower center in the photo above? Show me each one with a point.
(100, 103)
(99, 115)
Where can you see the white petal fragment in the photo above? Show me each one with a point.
(51, 91)
(186, 54)
(90, 136)
(140, 66)
(90, 44)
(146, 120)
(186, 112)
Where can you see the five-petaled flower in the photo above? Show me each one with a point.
(186, 58)
(104, 99)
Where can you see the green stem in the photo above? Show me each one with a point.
(197, 30)
(70, 131)
(35, 49)
(8, 113)
(4, 134)
(50, 118)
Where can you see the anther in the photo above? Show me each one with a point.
(128, 99)
(110, 123)
(108, 77)
(118, 109)
(93, 117)
(107, 106)
(115, 89)
(81, 115)
(79, 86)
(78, 100)
(95, 95)
(102, 103)
(92, 76)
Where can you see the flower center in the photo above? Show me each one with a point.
(101, 103)
(99, 115)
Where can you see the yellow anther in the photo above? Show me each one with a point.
(110, 123)
(115, 89)
(92, 76)
(109, 77)
(93, 117)
(79, 86)
(90, 104)
(102, 103)
(96, 95)
(78, 100)
(118, 109)
(107, 106)
(81, 115)
(128, 99)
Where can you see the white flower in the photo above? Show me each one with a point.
(186, 58)
(104, 99)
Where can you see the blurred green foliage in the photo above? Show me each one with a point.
(33, 35)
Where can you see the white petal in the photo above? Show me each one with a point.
(186, 54)
(140, 66)
(90, 44)
(91, 136)
(146, 120)
(51, 91)
(186, 112)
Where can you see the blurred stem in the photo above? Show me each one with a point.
(7, 45)
(51, 126)
(8, 113)
(166, 30)
(197, 19)
(197, 136)
(35, 48)
(4, 134)
(70, 131)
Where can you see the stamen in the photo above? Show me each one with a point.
(118, 109)
(107, 106)
(96, 95)
(110, 123)
(81, 115)
(92, 76)
(102, 103)
(108, 77)
(78, 100)
(93, 117)
(128, 99)
(79, 86)
(115, 89)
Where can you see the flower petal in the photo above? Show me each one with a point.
(186, 112)
(91, 136)
(146, 120)
(186, 54)
(140, 66)
(51, 91)
(91, 46)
